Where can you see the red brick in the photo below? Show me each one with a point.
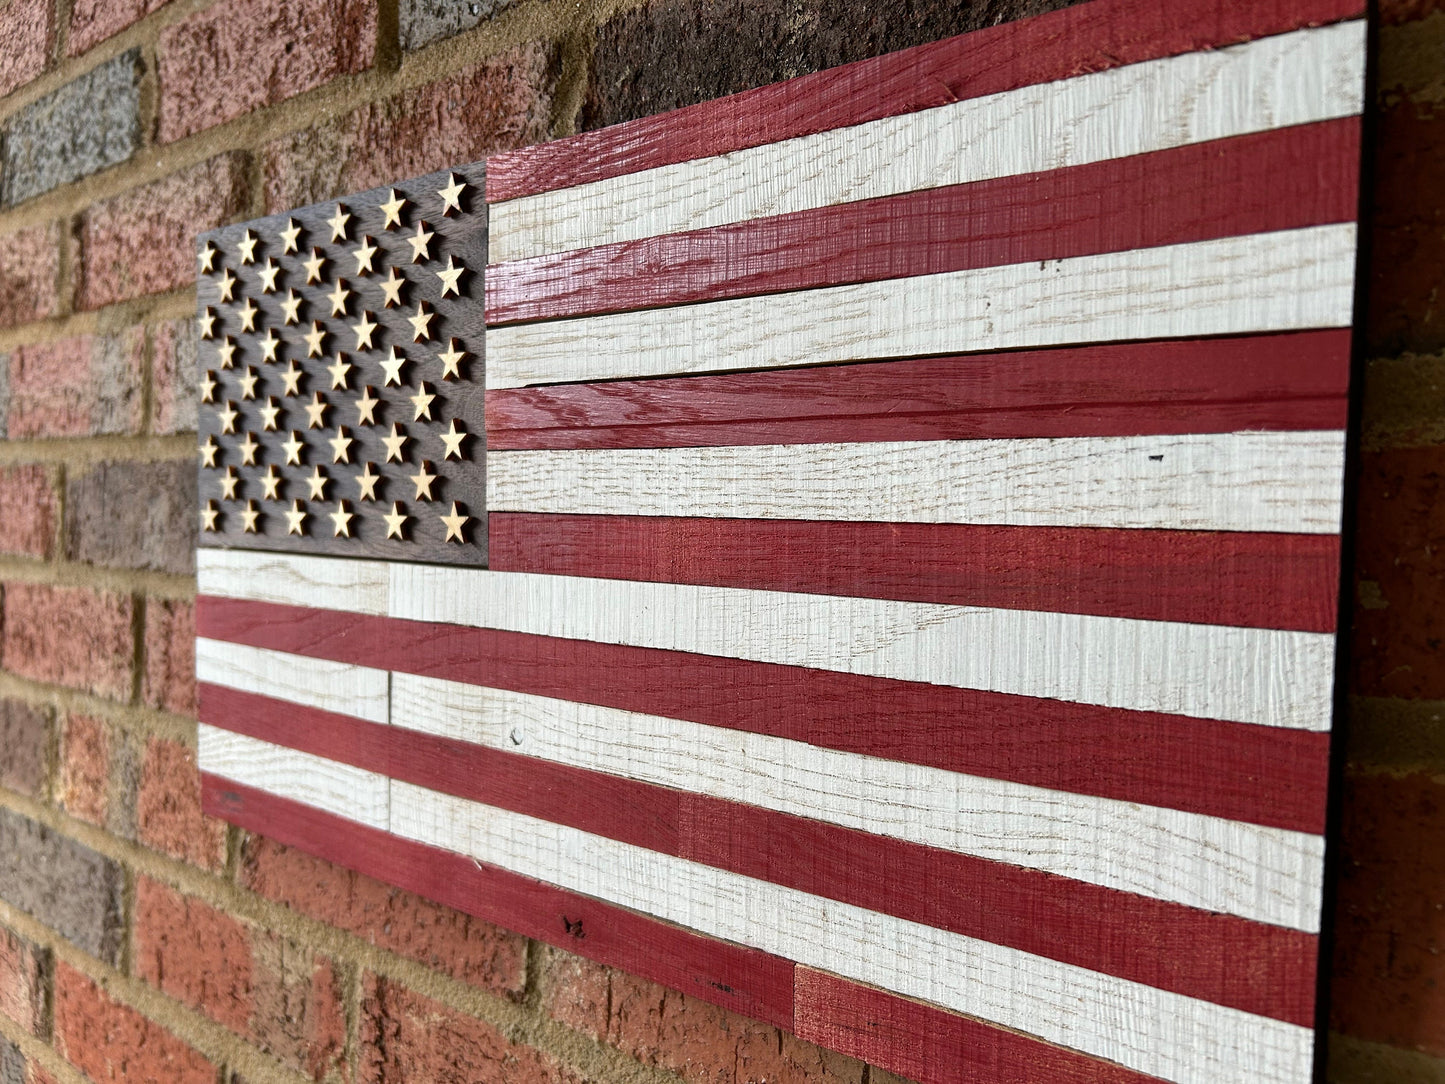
(38, 1075)
(170, 645)
(92, 21)
(502, 103)
(29, 270)
(463, 947)
(408, 1037)
(159, 220)
(234, 58)
(26, 30)
(27, 511)
(173, 377)
(700, 1042)
(168, 808)
(85, 768)
(78, 387)
(108, 1041)
(70, 636)
(1389, 949)
(22, 982)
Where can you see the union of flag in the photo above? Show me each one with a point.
(913, 498)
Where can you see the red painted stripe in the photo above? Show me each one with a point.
(1264, 775)
(925, 1043)
(1087, 38)
(1290, 381)
(1160, 944)
(1278, 180)
(1279, 581)
(744, 980)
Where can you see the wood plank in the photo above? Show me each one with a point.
(1295, 380)
(1280, 581)
(1131, 936)
(1302, 77)
(1285, 481)
(360, 691)
(1248, 184)
(1285, 281)
(1107, 34)
(744, 980)
(1204, 766)
(287, 579)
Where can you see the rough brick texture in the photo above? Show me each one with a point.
(84, 127)
(168, 808)
(89, 385)
(427, 21)
(173, 377)
(84, 789)
(27, 511)
(92, 21)
(160, 220)
(26, 30)
(22, 982)
(134, 515)
(24, 747)
(29, 274)
(70, 636)
(170, 654)
(505, 102)
(233, 58)
(12, 1063)
(62, 883)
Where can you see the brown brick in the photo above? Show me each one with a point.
(92, 21)
(84, 789)
(26, 30)
(27, 511)
(133, 515)
(78, 387)
(108, 1041)
(408, 1037)
(70, 636)
(168, 809)
(461, 946)
(502, 103)
(24, 747)
(160, 220)
(173, 377)
(63, 884)
(22, 982)
(234, 58)
(29, 273)
(170, 649)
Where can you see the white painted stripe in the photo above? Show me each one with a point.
(1264, 874)
(1276, 481)
(317, 683)
(1289, 280)
(353, 793)
(1297, 78)
(1267, 676)
(291, 580)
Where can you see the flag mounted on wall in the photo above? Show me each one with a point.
(888, 585)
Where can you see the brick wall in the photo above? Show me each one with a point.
(140, 940)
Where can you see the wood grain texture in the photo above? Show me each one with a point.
(1135, 937)
(359, 587)
(1280, 581)
(1294, 380)
(1249, 184)
(1291, 280)
(1058, 45)
(360, 691)
(1298, 78)
(1250, 481)
(1203, 766)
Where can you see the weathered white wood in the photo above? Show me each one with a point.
(1264, 874)
(348, 792)
(358, 691)
(290, 580)
(1175, 1037)
(1296, 78)
(1289, 280)
(1282, 481)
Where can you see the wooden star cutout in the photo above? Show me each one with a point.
(452, 439)
(364, 328)
(391, 365)
(392, 210)
(338, 222)
(209, 514)
(315, 338)
(227, 418)
(226, 284)
(248, 449)
(451, 360)
(451, 278)
(296, 519)
(421, 243)
(208, 388)
(227, 351)
(365, 256)
(421, 323)
(314, 266)
(423, 479)
(317, 483)
(229, 481)
(293, 449)
(455, 524)
(250, 516)
(248, 383)
(246, 247)
(341, 521)
(366, 483)
(268, 275)
(451, 195)
(396, 522)
(247, 313)
(270, 483)
(290, 237)
(291, 307)
(341, 446)
(339, 370)
(206, 323)
(338, 297)
(292, 379)
(395, 444)
(422, 402)
(316, 411)
(269, 413)
(269, 345)
(391, 289)
(207, 258)
(208, 451)
(366, 407)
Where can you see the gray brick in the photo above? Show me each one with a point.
(4, 395)
(62, 884)
(427, 21)
(134, 515)
(12, 1063)
(87, 125)
(24, 747)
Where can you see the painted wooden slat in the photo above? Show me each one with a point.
(1131, 936)
(361, 691)
(1057, 45)
(1248, 481)
(1284, 281)
(1281, 581)
(1249, 184)
(1298, 78)
(1201, 765)
(354, 586)
(1294, 380)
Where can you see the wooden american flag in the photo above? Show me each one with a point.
(913, 500)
